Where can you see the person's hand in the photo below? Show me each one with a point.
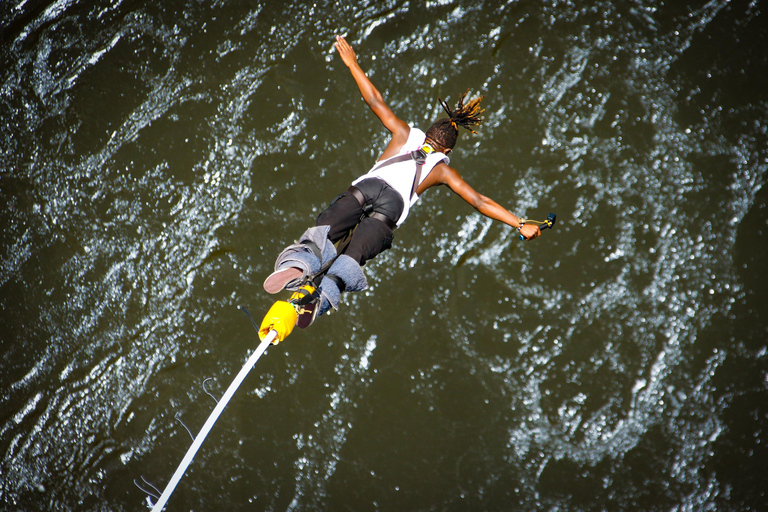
(346, 52)
(530, 231)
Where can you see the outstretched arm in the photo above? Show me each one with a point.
(443, 174)
(372, 96)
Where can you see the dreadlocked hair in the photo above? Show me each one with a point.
(445, 131)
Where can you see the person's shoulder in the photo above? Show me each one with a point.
(415, 135)
(447, 173)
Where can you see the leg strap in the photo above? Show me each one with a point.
(339, 282)
(374, 215)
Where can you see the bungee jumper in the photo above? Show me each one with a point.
(327, 260)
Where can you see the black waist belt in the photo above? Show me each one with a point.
(374, 215)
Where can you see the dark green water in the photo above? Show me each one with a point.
(157, 156)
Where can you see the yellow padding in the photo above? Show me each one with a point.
(281, 317)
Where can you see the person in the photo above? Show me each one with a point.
(363, 218)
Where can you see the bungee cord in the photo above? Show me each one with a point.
(276, 326)
(192, 451)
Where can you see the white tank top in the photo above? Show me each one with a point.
(401, 175)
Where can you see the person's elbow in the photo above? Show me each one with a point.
(375, 100)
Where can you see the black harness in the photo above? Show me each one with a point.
(368, 208)
(420, 157)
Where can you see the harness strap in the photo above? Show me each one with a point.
(314, 248)
(419, 156)
(394, 160)
(338, 281)
(374, 215)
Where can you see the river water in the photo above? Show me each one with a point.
(156, 156)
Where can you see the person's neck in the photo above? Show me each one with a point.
(437, 147)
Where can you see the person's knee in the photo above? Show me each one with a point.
(357, 254)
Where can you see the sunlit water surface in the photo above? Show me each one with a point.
(157, 155)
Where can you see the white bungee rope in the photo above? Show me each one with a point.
(211, 420)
